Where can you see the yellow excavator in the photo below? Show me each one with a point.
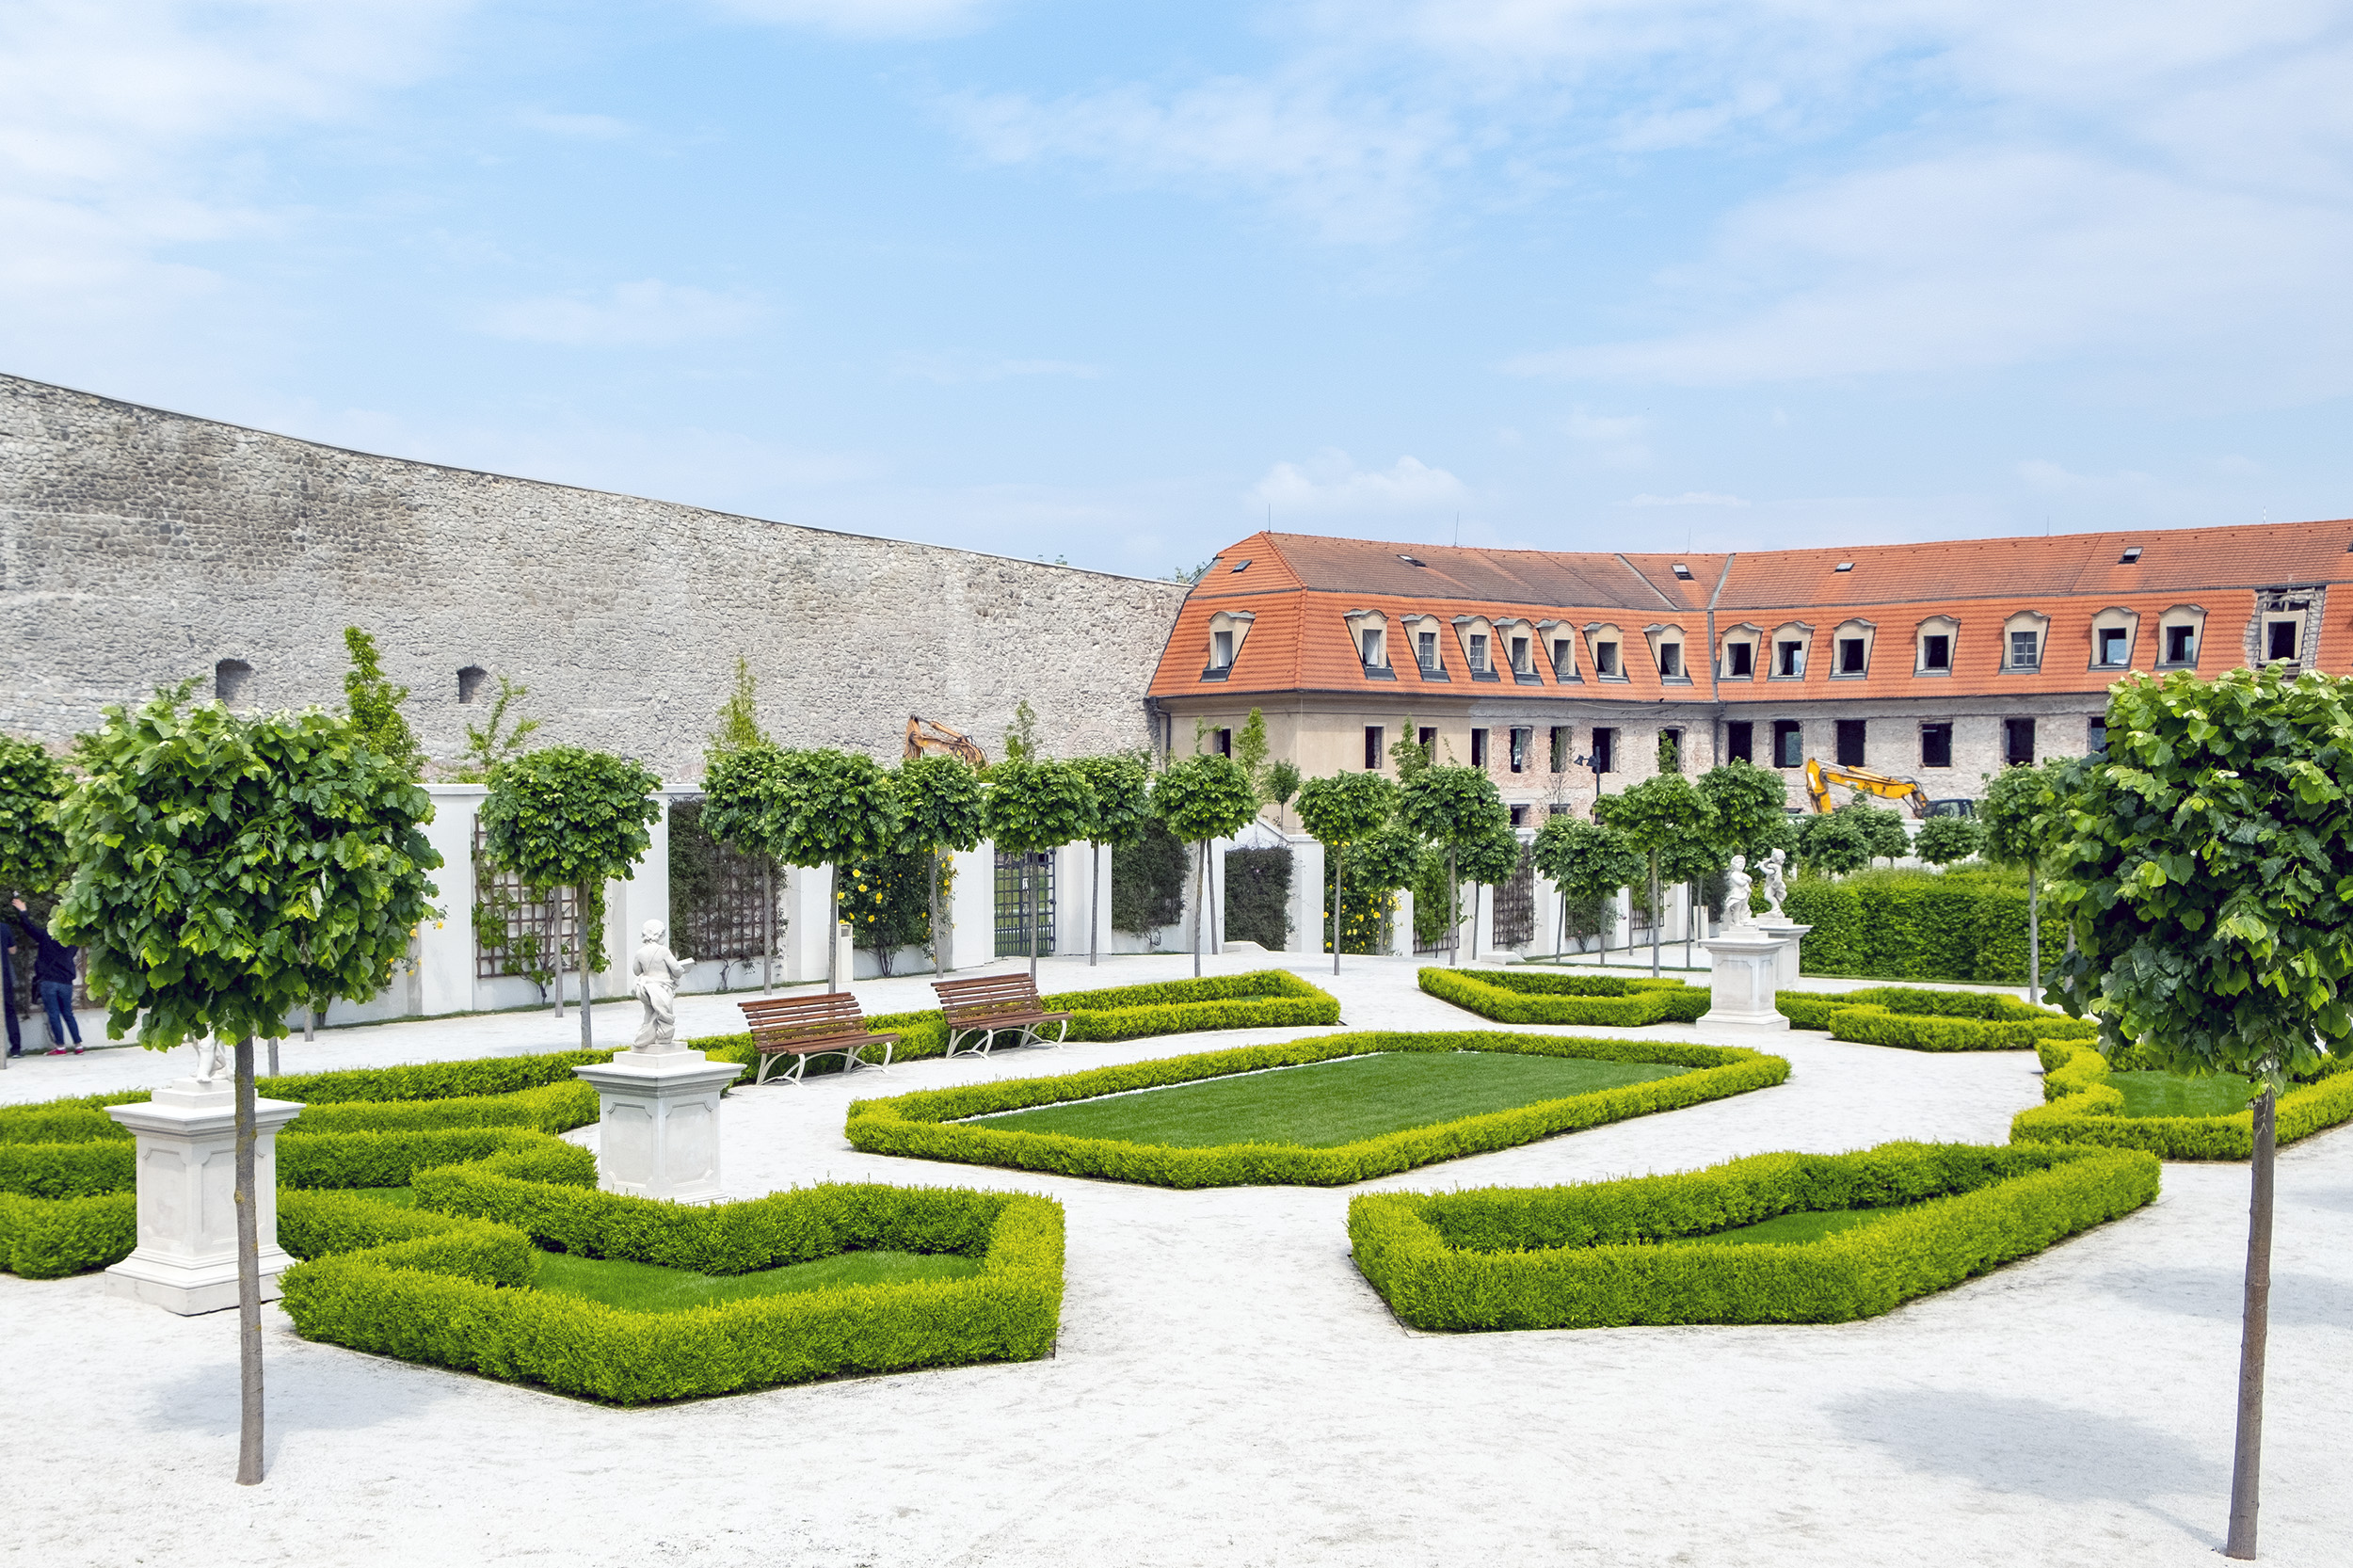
(1864, 781)
(927, 739)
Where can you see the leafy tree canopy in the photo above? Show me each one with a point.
(1021, 742)
(1752, 810)
(1667, 817)
(1122, 788)
(1587, 860)
(1340, 810)
(746, 797)
(941, 804)
(1833, 843)
(230, 870)
(374, 703)
(1249, 750)
(566, 816)
(32, 845)
(1384, 859)
(1282, 783)
(839, 806)
(1204, 797)
(2205, 865)
(2015, 799)
(1883, 831)
(1490, 861)
(1452, 807)
(1945, 840)
(1038, 806)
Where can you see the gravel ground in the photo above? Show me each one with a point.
(1228, 1391)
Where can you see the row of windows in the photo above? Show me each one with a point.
(1786, 737)
(1498, 649)
(1518, 750)
(233, 677)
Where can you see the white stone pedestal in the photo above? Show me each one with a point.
(658, 1132)
(186, 1259)
(1793, 934)
(1744, 972)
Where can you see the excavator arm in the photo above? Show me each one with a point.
(928, 739)
(1862, 781)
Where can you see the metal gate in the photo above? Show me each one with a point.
(1515, 904)
(1014, 915)
(518, 929)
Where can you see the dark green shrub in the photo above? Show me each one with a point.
(1920, 1019)
(1148, 881)
(1518, 996)
(930, 1124)
(1587, 1256)
(1960, 925)
(1257, 897)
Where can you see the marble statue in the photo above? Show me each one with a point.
(654, 975)
(1775, 888)
(212, 1058)
(1737, 884)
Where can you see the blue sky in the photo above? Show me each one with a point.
(1121, 285)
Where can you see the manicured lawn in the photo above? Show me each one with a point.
(1330, 1103)
(1790, 1230)
(2175, 1094)
(649, 1287)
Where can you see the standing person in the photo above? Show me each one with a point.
(54, 971)
(7, 985)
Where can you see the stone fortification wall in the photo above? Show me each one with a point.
(140, 547)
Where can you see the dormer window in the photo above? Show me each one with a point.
(1936, 652)
(2180, 645)
(2115, 647)
(1369, 641)
(2026, 649)
(1788, 657)
(1741, 661)
(2280, 639)
(1563, 658)
(1426, 650)
(1369, 631)
(1221, 651)
(1850, 656)
(1605, 660)
(1671, 660)
(1228, 631)
(1479, 653)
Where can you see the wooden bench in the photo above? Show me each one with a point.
(997, 1004)
(829, 1023)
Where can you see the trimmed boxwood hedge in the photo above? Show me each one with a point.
(1963, 925)
(1518, 996)
(68, 1200)
(1263, 999)
(1587, 1256)
(927, 1125)
(447, 1283)
(2082, 1108)
(1919, 1019)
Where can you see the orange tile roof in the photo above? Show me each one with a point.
(1300, 587)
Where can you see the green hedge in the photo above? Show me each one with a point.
(2081, 1108)
(1587, 1256)
(1263, 999)
(67, 1178)
(448, 1289)
(928, 1125)
(1967, 926)
(1918, 1020)
(1528, 996)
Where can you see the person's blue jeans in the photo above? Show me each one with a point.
(57, 996)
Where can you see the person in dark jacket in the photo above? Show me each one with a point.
(54, 969)
(7, 985)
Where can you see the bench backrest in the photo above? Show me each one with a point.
(995, 993)
(784, 1020)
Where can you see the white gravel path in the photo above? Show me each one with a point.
(1228, 1391)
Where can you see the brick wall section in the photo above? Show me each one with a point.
(140, 547)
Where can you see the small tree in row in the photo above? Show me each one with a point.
(1034, 807)
(1670, 825)
(942, 810)
(1199, 799)
(1339, 812)
(1489, 861)
(1584, 860)
(1453, 808)
(1122, 789)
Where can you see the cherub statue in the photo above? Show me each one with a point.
(212, 1058)
(1775, 888)
(1736, 885)
(654, 976)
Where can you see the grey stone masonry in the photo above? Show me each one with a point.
(140, 547)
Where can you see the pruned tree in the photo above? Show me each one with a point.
(838, 807)
(2205, 865)
(226, 871)
(1034, 807)
(1752, 810)
(1200, 799)
(1833, 843)
(1122, 788)
(1883, 833)
(942, 810)
(1942, 840)
(1450, 809)
(1672, 826)
(569, 817)
(2018, 833)
(1489, 862)
(1339, 812)
(33, 855)
(745, 801)
(1280, 784)
(1584, 860)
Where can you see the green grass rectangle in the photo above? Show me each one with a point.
(2171, 1116)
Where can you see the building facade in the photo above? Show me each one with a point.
(1561, 672)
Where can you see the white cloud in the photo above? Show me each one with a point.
(646, 313)
(1688, 498)
(955, 369)
(1331, 482)
(865, 18)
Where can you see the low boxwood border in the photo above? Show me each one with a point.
(68, 1201)
(447, 1283)
(1527, 997)
(2081, 1108)
(928, 1125)
(1915, 1019)
(1587, 1256)
(1262, 998)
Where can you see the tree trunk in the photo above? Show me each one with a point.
(768, 927)
(1454, 914)
(1479, 891)
(273, 1059)
(940, 939)
(2247, 1458)
(310, 1033)
(587, 1036)
(2034, 936)
(249, 1280)
(1560, 928)
(1200, 903)
(1339, 875)
(1095, 920)
(1653, 913)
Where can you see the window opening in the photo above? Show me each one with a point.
(1373, 747)
(1428, 741)
(1562, 663)
(2282, 640)
(1561, 748)
(1519, 748)
(2024, 650)
(1743, 656)
(1670, 660)
(1226, 742)
(1479, 748)
(470, 682)
(1220, 650)
(1243, 564)
(2180, 645)
(2018, 742)
(1478, 651)
(1519, 657)
(1936, 652)
(2097, 736)
(1605, 751)
(229, 679)
(1788, 744)
(1372, 647)
(1740, 741)
(2113, 640)
(1936, 746)
(1850, 656)
(1789, 657)
(1605, 658)
(1426, 650)
(1851, 753)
